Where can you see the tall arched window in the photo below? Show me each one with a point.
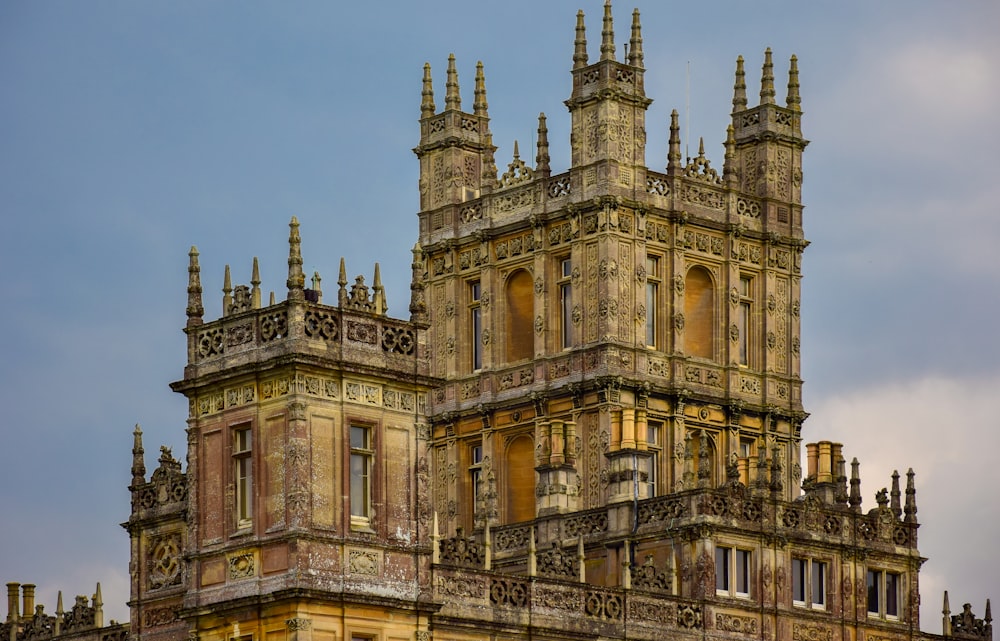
(699, 313)
(520, 467)
(520, 312)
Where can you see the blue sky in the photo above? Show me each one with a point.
(131, 131)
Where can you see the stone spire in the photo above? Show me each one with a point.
(255, 285)
(910, 507)
(418, 305)
(740, 87)
(635, 43)
(98, 604)
(793, 101)
(452, 99)
(767, 80)
(608, 34)
(542, 158)
(317, 287)
(854, 500)
(674, 146)
(195, 310)
(378, 293)
(946, 618)
(342, 284)
(729, 164)
(138, 460)
(227, 292)
(427, 107)
(60, 614)
(296, 279)
(894, 495)
(480, 107)
(580, 44)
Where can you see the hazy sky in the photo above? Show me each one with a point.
(131, 130)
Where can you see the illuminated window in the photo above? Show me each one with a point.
(361, 470)
(743, 316)
(243, 475)
(475, 325)
(652, 300)
(732, 572)
(566, 303)
(883, 594)
(809, 583)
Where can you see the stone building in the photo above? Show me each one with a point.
(589, 427)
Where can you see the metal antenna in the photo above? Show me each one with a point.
(687, 110)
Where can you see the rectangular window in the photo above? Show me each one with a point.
(475, 474)
(652, 299)
(743, 316)
(566, 302)
(809, 583)
(361, 470)
(476, 325)
(883, 594)
(732, 572)
(653, 430)
(243, 475)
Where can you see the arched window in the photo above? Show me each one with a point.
(519, 316)
(699, 313)
(520, 467)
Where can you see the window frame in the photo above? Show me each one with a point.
(475, 292)
(362, 452)
(564, 282)
(475, 474)
(654, 444)
(744, 321)
(735, 573)
(653, 280)
(243, 494)
(811, 576)
(878, 580)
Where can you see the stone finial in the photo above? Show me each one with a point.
(704, 460)
(581, 558)
(580, 44)
(608, 34)
(427, 107)
(532, 556)
(195, 310)
(910, 507)
(946, 616)
(729, 163)
(793, 101)
(60, 615)
(452, 98)
(480, 107)
(227, 293)
(418, 305)
(98, 604)
(342, 284)
(138, 459)
(894, 495)
(626, 566)
(739, 87)
(317, 287)
(767, 80)
(487, 547)
(635, 43)
(777, 485)
(854, 500)
(255, 285)
(296, 279)
(435, 540)
(270, 299)
(378, 293)
(542, 158)
(674, 145)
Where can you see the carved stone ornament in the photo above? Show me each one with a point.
(242, 565)
(298, 623)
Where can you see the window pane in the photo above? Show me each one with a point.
(873, 602)
(891, 594)
(742, 572)
(798, 581)
(818, 583)
(566, 302)
(359, 485)
(651, 305)
(722, 568)
(359, 438)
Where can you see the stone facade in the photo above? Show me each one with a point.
(590, 426)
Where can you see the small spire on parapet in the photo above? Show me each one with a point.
(517, 155)
(60, 614)
(580, 44)
(378, 293)
(195, 310)
(674, 146)
(767, 80)
(255, 285)
(271, 300)
(427, 107)
(98, 604)
(793, 101)
(854, 500)
(776, 485)
(635, 44)
(740, 87)
(946, 616)
(910, 507)
(418, 306)
(894, 495)
(729, 164)
(608, 34)
(317, 288)
(480, 107)
(138, 458)
(452, 98)
(227, 293)
(296, 279)
(342, 284)
(542, 158)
